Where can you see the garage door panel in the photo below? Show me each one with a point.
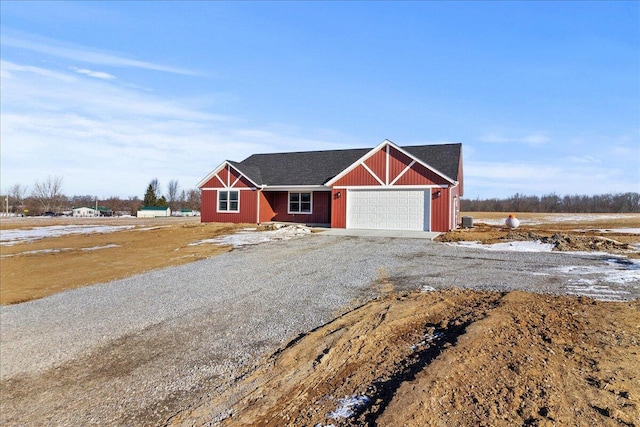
(388, 209)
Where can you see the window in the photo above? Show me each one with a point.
(228, 201)
(299, 202)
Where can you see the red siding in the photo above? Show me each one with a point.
(224, 175)
(266, 211)
(440, 209)
(228, 179)
(378, 164)
(241, 183)
(358, 176)
(339, 209)
(213, 183)
(397, 163)
(274, 206)
(248, 204)
(419, 175)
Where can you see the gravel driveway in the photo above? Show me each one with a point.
(136, 351)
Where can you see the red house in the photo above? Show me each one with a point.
(387, 187)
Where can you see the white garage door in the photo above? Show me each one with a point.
(388, 209)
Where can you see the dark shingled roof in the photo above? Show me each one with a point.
(318, 167)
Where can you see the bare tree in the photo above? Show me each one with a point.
(134, 204)
(194, 200)
(85, 200)
(155, 186)
(48, 193)
(599, 203)
(17, 194)
(172, 192)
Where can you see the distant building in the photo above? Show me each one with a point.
(85, 211)
(186, 212)
(154, 212)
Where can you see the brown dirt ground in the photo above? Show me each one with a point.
(457, 357)
(153, 243)
(583, 235)
(449, 358)
(453, 357)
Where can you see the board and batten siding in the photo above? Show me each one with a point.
(392, 168)
(227, 177)
(248, 211)
(274, 206)
(440, 205)
(339, 208)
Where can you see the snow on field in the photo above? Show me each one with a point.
(615, 270)
(252, 237)
(555, 218)
(599, 292)
(95, 248)
(519, 246)
(11, 237)
(614, 230)
(602, 282)
(59, 250)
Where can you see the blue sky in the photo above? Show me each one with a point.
(544, 96)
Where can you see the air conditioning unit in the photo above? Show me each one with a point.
(467, 222)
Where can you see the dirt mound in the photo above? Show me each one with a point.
(448, 358)
(591, 240)
(571, 242)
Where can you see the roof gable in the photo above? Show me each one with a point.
(446, 155)
(227, 169)
(319, 168)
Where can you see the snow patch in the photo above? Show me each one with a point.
(427, 288)
(59, 250)
(599, 282)
(599, 292)
(95, 248)
(245, 238)
(620, 271)
(518, 246)
(36, 252)
(348, 406)
(554, 218)
(13, 236)
(428, 338)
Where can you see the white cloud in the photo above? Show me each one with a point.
(502, 179)
(535, 138)
(106, 139)
(59, 49)
(96, 74)
(582, 159)
(9, 70)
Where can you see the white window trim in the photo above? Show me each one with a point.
(300, 201)
(228, 202)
